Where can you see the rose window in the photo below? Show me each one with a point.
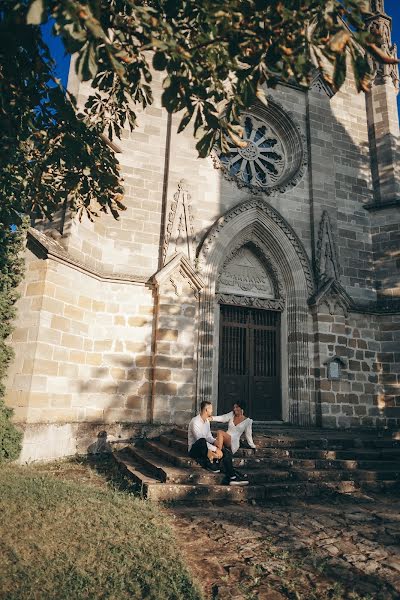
(274, 159)
(262, 161)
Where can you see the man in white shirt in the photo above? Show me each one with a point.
(201, 446)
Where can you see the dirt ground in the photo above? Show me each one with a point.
(332, 547)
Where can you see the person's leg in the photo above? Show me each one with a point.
(226, 462)
(199, 451)
(223, 439)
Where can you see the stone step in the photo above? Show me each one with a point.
(315, 440)
(132, 468)
(209, 488)
(292, 430)
(353, 454)
(161, 480)
(168, 466)
(181, 444)
(347, 456)
(345, 465)
(165, 472)
(182, 460)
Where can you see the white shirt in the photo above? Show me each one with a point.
(236, 431)
(200, 429)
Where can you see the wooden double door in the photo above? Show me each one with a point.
(249, 362)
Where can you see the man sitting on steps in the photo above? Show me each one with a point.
(202, 448)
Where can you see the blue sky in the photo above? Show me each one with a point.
(392, 7)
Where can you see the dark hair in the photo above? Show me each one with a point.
(241, 404)
(204, 404)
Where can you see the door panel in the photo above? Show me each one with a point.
(249, 361)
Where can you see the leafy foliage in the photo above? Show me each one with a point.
(50, 154)
(216, 56)
(11, 274)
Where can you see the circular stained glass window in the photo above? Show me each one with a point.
(273, 159)
(262, 162)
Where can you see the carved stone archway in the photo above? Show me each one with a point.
(256, 222)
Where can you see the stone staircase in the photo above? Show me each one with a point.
(287, 462)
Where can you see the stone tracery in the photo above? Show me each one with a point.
(275, 157)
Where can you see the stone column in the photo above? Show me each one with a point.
(176, 340)
(383, 129)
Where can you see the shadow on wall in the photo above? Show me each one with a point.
(124, 381)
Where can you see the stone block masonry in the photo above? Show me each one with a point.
(83, 348)
(363, 395)
(174, 372)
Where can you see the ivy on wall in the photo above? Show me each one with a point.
(12, 269)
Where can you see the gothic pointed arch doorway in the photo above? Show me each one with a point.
(269, 243)
(250, 304)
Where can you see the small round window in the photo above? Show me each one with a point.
(273, 158)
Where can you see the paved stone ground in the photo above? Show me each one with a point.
(332, 547)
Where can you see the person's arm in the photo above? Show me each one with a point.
(249, 434)
(210, 439)
(222, 418)
(198, 432)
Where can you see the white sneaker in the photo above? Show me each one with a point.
(238, 482)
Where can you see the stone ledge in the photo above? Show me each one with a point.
(53, 250)
(375, 206)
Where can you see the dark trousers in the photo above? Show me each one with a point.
(199, 452)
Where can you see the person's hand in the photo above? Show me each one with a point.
(218, 453)
(210, 418)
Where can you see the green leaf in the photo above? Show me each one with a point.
(339, 74)
(205, 144)
(159, 61)
(185, 121)
(36, 13)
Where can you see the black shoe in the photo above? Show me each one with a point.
(213, 467)
(241, 476)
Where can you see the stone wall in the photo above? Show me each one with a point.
(82, 347)
(388, 367)
(176, 342)
(103, 337)
(366, 394)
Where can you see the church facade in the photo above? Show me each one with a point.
(269, 274)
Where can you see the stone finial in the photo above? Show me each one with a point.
(327, 261)
(377, 6)
(380, 24)
(179, 230)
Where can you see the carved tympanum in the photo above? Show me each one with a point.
(245, 275)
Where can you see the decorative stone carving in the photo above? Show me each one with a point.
(260, 226)
(265, 303)
(377, 6)
(245, 274)
(179, 230)
(381, 25)
(333, 296)
(271, 213)
(327, 261)
(275, 158)
(321, 86)
(179, 273)
(262, 162)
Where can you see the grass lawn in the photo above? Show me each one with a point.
(66, 533)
